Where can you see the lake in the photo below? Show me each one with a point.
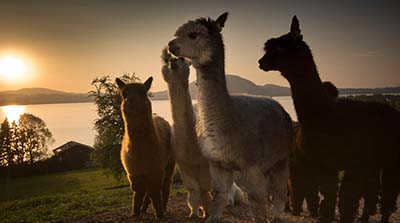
(74, 121)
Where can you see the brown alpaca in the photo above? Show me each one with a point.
(146, 149)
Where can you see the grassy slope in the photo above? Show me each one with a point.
(61, 196)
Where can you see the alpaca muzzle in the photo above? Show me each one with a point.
(173, 48)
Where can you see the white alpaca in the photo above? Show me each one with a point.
(249, 134)
(193, 165)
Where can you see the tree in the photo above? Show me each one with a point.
(6, 153)
(31, 139)
(109, 125)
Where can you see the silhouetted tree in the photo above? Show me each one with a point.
(6, 155)
(31, 138)
(25, 141)
(109, 125)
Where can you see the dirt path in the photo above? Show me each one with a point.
(178, 212)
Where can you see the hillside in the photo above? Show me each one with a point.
(239, 85)
(26, 96)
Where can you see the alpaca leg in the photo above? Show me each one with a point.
(154, 185)
(146, 204)
(194, 203)
(296, 194)
(312, 198)
(311, 191)
(222, 180)
(328, 188)
(238, 195)
(169, 172)
(279, 176)
(205, 188)
(192, 185)
(390, 192)
(289, 203)
(256, 188)
(370, 195)
(138, 185)
(349, 195)
(206, 200)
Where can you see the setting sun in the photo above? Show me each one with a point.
(13, 112)
(12, 67)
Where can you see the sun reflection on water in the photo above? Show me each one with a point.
(13, 112)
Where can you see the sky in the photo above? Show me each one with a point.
(66, 44)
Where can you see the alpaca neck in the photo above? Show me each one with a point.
(141, 131)
(310, 100)
(181, 106)
(213, 96)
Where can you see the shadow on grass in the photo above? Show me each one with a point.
(117, 187)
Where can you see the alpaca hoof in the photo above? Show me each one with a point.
(296, 213)
(212, 219)
(160, 216)
(324, 220)
(135, 215)
(143, 210)
(364, 219)
(314, 214)
(194, 216)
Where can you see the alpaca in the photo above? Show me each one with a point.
(185, 146)
(303, 183)
(342, 134)
(145, 152)
(249, 134)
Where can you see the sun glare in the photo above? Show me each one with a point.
(12, 67)
(13, 112)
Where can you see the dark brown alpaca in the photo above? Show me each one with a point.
(146, 149)
(358, 137)
(303, 184)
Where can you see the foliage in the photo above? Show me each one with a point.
(109, 125)
(24, 142)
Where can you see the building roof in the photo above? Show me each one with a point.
(69, 145)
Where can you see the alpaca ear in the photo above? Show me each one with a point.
(147, 83)
(295, 28)
(165, 55)
(221, 21)
(120, 83)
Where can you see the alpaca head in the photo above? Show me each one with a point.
(175, 69)
(199, 40)
(330, 90)
(135, 101)
(286, 52)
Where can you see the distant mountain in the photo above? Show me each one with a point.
(26, 96)
(239, 85)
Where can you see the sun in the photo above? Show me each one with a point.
(12, 67)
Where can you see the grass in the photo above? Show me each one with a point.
(62, 196)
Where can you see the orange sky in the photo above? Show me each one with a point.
(68, 43)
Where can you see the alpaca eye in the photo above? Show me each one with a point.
(192, 35)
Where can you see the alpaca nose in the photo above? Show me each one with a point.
(173, 47)
(171, 43)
